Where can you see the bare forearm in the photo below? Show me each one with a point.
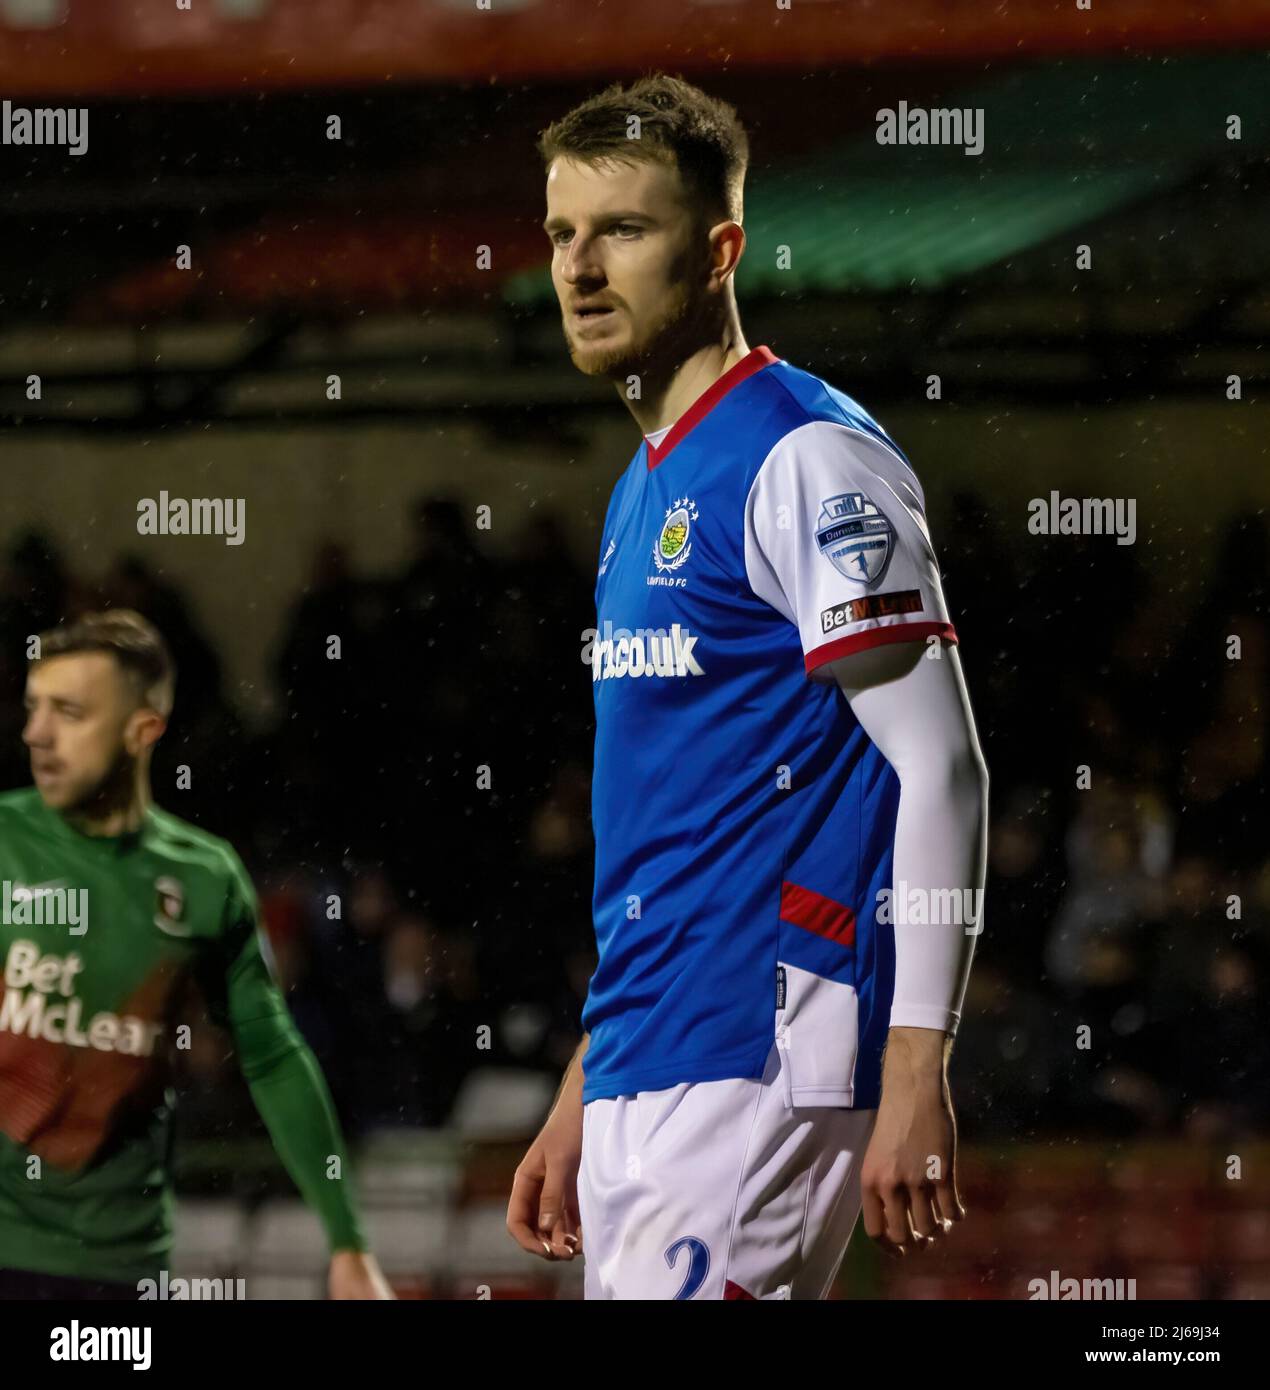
(915, 1057)
(569, 1096)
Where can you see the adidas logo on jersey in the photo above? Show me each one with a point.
(648, 652)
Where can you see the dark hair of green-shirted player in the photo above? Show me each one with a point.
(99, 694)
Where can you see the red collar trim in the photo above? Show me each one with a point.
(754, 361)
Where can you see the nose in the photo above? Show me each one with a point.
(581, 264)
(35, 733)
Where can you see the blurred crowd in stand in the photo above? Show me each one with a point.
(416, 816)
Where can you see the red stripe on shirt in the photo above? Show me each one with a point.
(877, 637)
(816, 913)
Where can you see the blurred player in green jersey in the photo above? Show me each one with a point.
(109, 907)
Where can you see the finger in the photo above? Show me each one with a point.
(572, 1219)
(550, 1203)
(899, 1224)
(942, 1224)
(567, 1235)
(926, 1220)
(873, 1212)
(522, 1216)
(875, 1222)
(918, 1241)
(950, 1199)
(553, 1218)
(946, 1204)
(562, 1239)
(889, 1247)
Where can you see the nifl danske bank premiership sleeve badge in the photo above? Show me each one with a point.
(855, 537)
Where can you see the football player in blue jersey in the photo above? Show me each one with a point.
(789, 799)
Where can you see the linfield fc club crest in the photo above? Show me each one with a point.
(170, 904)
(855, 537)
(673, 544)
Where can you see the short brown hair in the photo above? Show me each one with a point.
(134, 642)
(678, 124)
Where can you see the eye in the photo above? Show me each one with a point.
(630, 227)
(556, 238)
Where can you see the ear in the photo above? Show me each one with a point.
(145, 727)
(727, 244)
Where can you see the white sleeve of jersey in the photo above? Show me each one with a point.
(913, 704)
(836, 541)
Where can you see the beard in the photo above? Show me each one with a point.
(101, 796)
(656, 346)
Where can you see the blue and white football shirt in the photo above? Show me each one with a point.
(744, 822)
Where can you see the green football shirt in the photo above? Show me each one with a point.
(100, 937)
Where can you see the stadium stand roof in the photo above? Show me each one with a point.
(1065, 146)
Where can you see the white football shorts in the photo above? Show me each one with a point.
(718, 1189)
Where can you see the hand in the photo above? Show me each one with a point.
(542, 1215)
(355, 1274)
(909, 1177)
